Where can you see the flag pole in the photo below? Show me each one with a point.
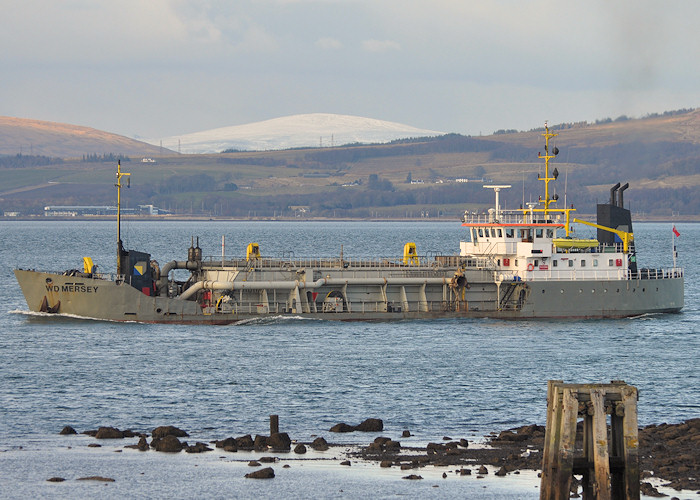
(673, 245)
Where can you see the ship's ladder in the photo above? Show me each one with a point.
(512, 288)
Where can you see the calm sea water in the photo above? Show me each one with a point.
(457, 378)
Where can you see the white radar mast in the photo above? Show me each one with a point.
(497, 189)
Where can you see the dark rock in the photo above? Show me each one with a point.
(435, 448)
(142, 444)
(97, 478)
(254, 463)
(406, 433)
(260, 443)
(228, 444)
(345, 462)
(385, 463)
(392, 446)
(300, 449)
(129, 433)
(374, 448)
(501, 472)
(286, 466)
(342, 427)
(319, 444)
(446, 438)
(381, 440)
(266, 473)
(94, 445)
(92, 433)
(465, 472)
(464, 443)
(267, 460)
(244, 442)
(371, 425)
(412, 476)
(511, 436)
(167, 430)
(109, 433)
(280, 441)
(197, 448)
(483, 470)
(67, 430)
(55, 479)
(444, 475)
(168, 444)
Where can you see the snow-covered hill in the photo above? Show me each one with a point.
(308, 130)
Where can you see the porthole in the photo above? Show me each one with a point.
(644, 289)
(543, 290)
(605, 290)
(562, 290)
(159, 310)
(580, 290)
(618, 290)
(593, 290)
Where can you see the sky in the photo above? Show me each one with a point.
(158, 68)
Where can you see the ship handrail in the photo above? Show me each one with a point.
(433, 261)
(597, 275)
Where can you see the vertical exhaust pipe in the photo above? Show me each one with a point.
(620, 202)
(613, 201)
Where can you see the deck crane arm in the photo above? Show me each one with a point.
(624, 235)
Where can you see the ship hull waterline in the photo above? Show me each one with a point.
(101, 299)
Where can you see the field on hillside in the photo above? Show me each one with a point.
(658, 156)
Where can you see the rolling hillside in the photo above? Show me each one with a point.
(36, 137)
(659, 156)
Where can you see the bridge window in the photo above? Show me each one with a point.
(610, 262)
(595, 262)
(571, 263)
(539, 232)
(481, 232)
(554, 263)
(550, 233)
(583, 263)
(500, 233)
(510, 232)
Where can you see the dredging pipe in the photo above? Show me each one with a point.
(291, 285)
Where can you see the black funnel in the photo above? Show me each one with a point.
(620, 202)
(612, 193)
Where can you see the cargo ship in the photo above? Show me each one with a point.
(511, 264)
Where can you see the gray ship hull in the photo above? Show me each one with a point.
(425, 293)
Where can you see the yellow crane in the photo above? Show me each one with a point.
(624, 235)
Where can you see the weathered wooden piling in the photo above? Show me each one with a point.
(607, 458)
(274, 424)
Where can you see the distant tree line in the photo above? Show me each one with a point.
(22, 161)
(104, 157)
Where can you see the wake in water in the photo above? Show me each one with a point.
(275, 320)
(66, 317)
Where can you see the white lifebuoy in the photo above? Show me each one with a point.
(530, 267)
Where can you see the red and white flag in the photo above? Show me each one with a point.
(675, 231)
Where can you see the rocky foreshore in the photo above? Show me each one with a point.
(670, 452)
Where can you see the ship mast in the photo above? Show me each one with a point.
(118, 185)
(548, 156)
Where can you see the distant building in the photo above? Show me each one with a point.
(147, 160)
(81, 210)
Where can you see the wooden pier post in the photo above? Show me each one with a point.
(274, 424)
(609, 465)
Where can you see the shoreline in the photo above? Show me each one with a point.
(668, 457)
(205, 218)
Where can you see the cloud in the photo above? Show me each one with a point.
(380, 45)
(328, 43)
